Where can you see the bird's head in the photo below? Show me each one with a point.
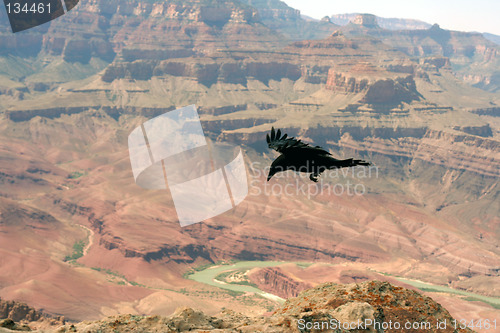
(276, 166)
(272, 172)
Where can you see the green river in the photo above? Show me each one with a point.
(208, 275)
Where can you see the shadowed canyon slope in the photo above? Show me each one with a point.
(79, 238)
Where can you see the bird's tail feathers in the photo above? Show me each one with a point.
(360, 162)
(350, 162)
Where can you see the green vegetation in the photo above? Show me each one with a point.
(475, 299)
(245, 283)
(122, 279)
(241, 279)
(76, 175)
(187, 273)
(304, 264)
(77, 252)
(222, 276)
(135, 284)
(234, 293)
(111, 96)
(203, 267)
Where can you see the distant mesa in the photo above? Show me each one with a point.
(326, 19)
(389, 91)
(435, 26)
(379, 85)
(438, 62)
(337, 33)
(385, 23)
(366, 20)
(483, 131)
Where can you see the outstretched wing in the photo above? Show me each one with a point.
(284, 145)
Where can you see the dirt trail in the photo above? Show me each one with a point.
(90, 240)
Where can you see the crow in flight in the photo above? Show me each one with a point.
(299, 156)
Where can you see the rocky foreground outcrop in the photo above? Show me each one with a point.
(371, 306)
(12, 313)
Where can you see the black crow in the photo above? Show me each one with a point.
(299, 156)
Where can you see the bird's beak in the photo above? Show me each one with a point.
(271, 174)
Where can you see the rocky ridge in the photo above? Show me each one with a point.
(12, 312)
(371, 306)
